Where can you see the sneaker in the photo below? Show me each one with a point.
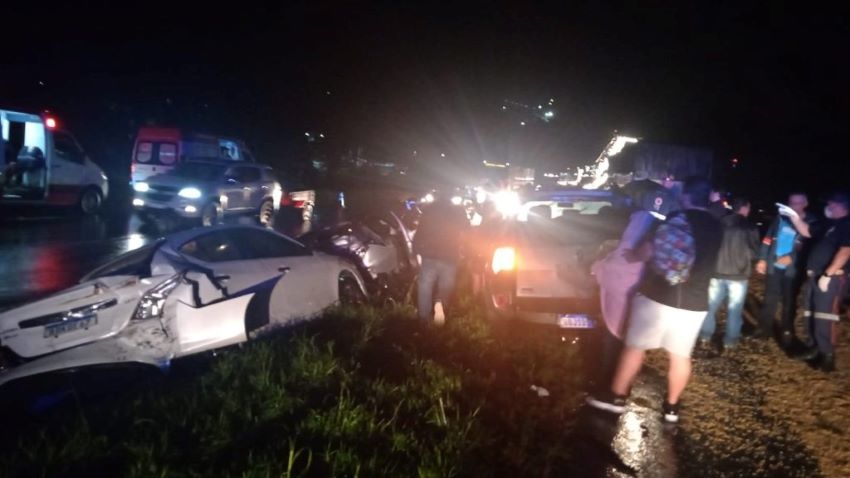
(439, 314)
(671, 412)
(608, 401)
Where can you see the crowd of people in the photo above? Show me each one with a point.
(665, 284)
(677, 264)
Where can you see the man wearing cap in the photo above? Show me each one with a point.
(827, 274)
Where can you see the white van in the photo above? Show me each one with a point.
(40, 163)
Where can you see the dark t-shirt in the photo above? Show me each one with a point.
(836, 236)
(693, 294)
(440, 231)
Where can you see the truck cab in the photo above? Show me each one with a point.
(43, 164)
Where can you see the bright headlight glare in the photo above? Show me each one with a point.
(504, 259)
(507, 203)
(141, 187)
(190, 193)
(151, 304)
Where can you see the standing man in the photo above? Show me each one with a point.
(827, 272)
(438, 243)
(669, 315)
(734, 265)
(783, 258)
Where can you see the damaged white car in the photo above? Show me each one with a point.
(191, 292)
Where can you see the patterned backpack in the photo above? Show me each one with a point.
(674, 249)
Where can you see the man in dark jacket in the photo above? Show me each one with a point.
(734, 265)
(783, 258)
(438, 243)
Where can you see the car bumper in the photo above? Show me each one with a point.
(187, 208)
(503, 301)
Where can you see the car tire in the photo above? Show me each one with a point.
(266, 214)
(350, 292)
(90, 201)
(211, 215)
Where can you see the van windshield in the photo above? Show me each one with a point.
(199, 171)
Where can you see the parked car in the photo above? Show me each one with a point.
(191, 292)
(539, 269)
(209, 190)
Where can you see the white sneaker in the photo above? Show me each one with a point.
(439, 314)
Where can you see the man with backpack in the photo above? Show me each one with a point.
(672, 299)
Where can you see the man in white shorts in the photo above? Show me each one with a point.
(669, 316)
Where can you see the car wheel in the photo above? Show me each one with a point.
(266, 214)
(211, 215)
(90, 201)
(349, 289)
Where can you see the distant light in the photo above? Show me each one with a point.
(457, 200)
(551, 100)
(442, 155)
(428, 198)
(522, 123)
(40, 83)
(190, 209)
(328, 92)
(50, 122)
(507, 164)
(321, 135)
(307, 133)
(539, 107)
(504, 107)
(138, 202)
(480, 196)
(549, 114)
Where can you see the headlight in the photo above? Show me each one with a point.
(504, 259)
(152, 303)
(190, 193)
(141, 187)
(507, 203)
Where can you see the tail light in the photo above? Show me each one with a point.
(504, 259)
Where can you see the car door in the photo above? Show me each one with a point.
(231, 189)
(252, 187)
(306, 287)
(67, 169)
(225, 318)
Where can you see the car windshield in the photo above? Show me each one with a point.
(199, 171)
(134, 263)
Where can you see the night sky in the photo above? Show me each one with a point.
(764, 84)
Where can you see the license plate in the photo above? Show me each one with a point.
(70, 325)
(575, 321)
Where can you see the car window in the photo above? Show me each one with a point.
(249, 175)
(257, 244)
(213, 247)
(66, 148)
(136, 262)
(144, 152)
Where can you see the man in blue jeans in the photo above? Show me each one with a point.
(734, 265)
(438, 242)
